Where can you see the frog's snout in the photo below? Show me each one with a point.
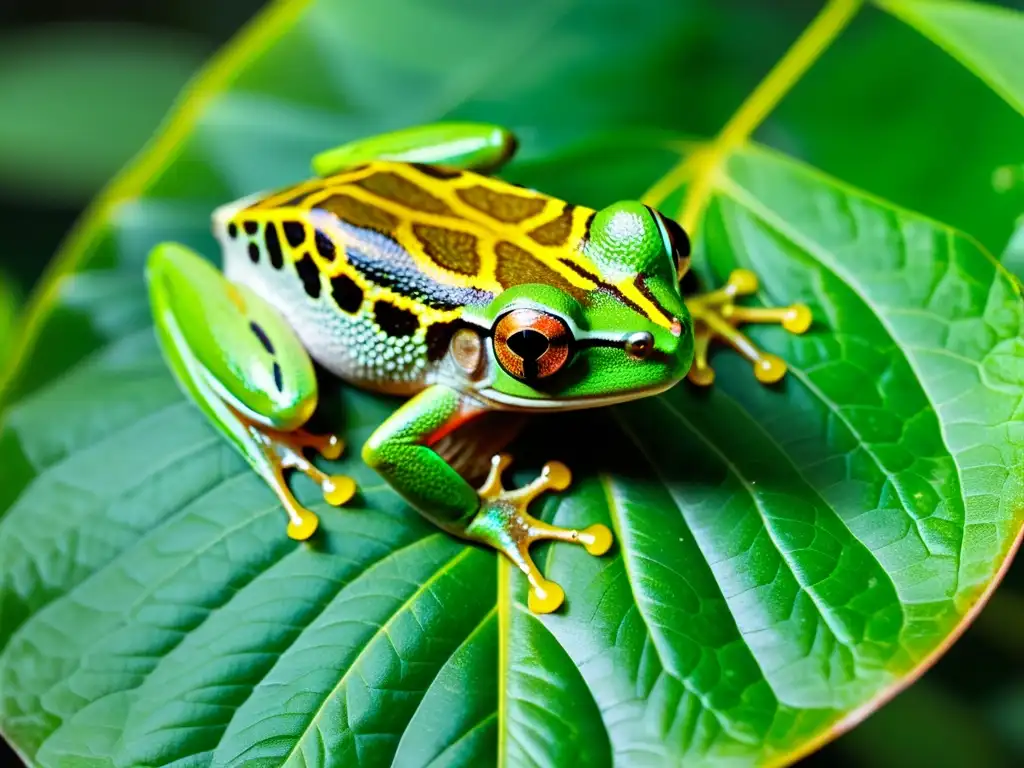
(678, 346)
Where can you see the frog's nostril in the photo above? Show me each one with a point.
(528, 344)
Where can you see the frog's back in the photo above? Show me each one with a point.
(374, 266)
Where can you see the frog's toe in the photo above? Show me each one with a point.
(717, 316)
(597, 539)
(282, 451)
(546, 598)
(338, 489)
(303, 526)
(329, 446)
(504, 523)
(769, 369)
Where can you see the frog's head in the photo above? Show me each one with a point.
(627, 334)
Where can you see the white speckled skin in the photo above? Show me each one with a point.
(352, 347)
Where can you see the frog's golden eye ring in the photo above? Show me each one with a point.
(531, 345)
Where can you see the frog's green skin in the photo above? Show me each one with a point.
(404, 270)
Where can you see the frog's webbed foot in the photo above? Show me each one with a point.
(284, 451)
(504, 523)
(717, 316)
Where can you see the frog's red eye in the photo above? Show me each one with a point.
(531, 345)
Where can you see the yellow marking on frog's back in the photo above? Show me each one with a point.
(464, 235)
(461, 235)
(461, 228)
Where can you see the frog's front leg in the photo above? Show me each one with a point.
(237, 358)
(400, 450)
(471, 146)
(716, 316)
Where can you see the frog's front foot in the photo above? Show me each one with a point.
(716, 316)
(283, 451)
(503, 522)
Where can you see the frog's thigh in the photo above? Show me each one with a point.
(244, 367)
(229, 342)
(472, 146)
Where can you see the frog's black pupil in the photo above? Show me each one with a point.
(528, 344)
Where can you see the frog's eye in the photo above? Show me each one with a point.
(530, 344)
(677, 242)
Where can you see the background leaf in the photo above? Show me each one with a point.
(78, 101)
(8, 314)
(929, 135)
(984, 37)
(785, 556)
(1013, 256)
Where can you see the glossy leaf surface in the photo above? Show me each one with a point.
(785, 556)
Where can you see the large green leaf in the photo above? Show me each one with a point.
(786, 557)
(986, 38)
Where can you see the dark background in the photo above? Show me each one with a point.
(969, 710)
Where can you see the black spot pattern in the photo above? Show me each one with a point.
(273, 241)
(437, 338)
(262, 336)
(394, 321)
(310, 276)
(405, 278)
(294, 233)
(324, 246)
(254, 253)
(232, 230)
(251, 227)
(347, 295)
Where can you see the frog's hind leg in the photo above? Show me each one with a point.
(237, 358)
(468, 146)
(402, 451)
(716, 316)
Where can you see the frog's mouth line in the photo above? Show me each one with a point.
(514, 403)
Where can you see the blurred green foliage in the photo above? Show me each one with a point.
(77, 101)
(8, 314)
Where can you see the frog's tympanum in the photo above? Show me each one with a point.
(405, 269)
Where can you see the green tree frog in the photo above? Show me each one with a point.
(405, 268)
